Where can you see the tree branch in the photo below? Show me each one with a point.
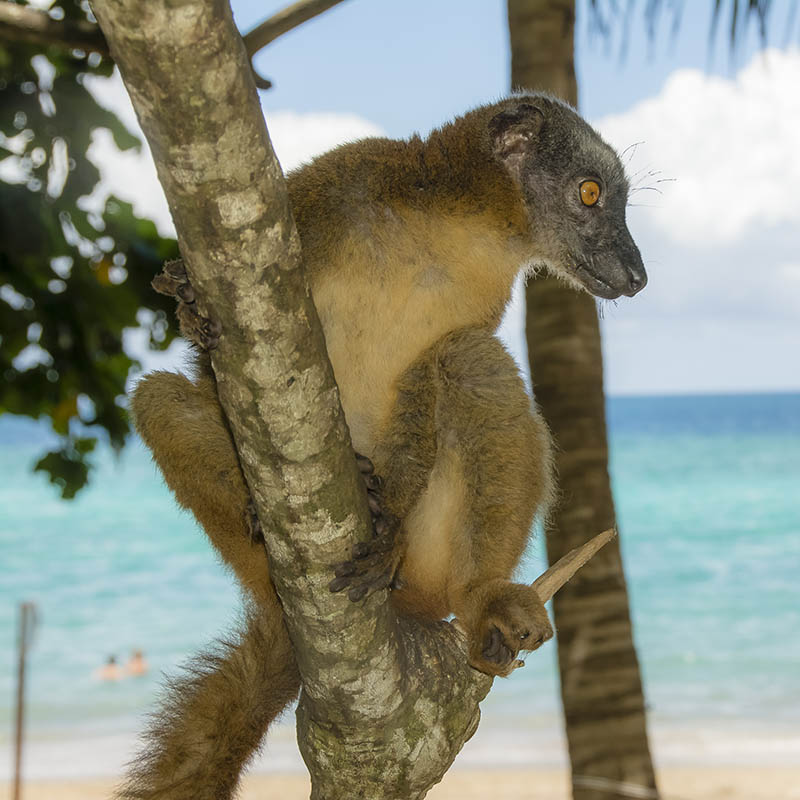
(22, 23)
(278, 24)
(282, 22)
(386, 703)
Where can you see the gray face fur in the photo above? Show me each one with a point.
(550, 151)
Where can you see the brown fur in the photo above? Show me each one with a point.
(212, 721)
(411, 249)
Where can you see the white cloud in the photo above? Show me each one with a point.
(721, 310)
(722, 307)
(131, 175)
(730, 145)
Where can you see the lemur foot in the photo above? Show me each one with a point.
(512, 619)
(373, 564)
(253, 525)
(174, 282)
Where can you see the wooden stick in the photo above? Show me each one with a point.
(550, 581)
(27, 620)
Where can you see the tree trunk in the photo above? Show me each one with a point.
(386, 702)
(600, 682)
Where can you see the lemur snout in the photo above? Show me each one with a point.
(637, 280)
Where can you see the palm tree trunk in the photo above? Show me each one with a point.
(600, 682)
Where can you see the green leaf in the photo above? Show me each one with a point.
(66, 469)
(63, 339)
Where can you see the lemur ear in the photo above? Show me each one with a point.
(513, 131)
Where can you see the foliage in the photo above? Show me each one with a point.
(606, 15)
(71, 277)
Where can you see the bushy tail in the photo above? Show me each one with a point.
(213, 718)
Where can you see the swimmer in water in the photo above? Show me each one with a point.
(110, 671)
(136, 664)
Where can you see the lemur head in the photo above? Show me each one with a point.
(575, 191)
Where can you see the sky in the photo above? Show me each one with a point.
(716, 162)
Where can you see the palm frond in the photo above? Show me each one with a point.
(608, 16)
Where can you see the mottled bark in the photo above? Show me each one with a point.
(386, 703)
(600, 682)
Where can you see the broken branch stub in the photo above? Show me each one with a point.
(550, 581)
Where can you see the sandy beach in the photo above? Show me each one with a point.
(676, 783)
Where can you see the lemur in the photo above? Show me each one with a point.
(411, 249)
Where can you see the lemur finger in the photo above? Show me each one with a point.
(344, 569)
(358, 593)
(382, 526)
(367, 573)
(201, 331)
(165, 284)
(176, 269)
(380, 581)
(374, 500)
(365, 466)
(185, 291)
(491, 646)
(253, 524)
(337, 584)
(379, 546)
(373, 482)
(169, 280)
(360, 550)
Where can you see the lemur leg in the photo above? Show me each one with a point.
(182, 458)
(491, 476)
(403, 460)
(183, 425)
(213, 721)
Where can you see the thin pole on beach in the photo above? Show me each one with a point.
(27, 621)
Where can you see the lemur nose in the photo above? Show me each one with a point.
(637, 280)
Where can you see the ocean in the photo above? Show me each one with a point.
(708, 500)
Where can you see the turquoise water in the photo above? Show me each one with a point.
(708, 497)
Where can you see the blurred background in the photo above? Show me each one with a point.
(701, 369)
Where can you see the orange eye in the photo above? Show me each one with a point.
(590, 193)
